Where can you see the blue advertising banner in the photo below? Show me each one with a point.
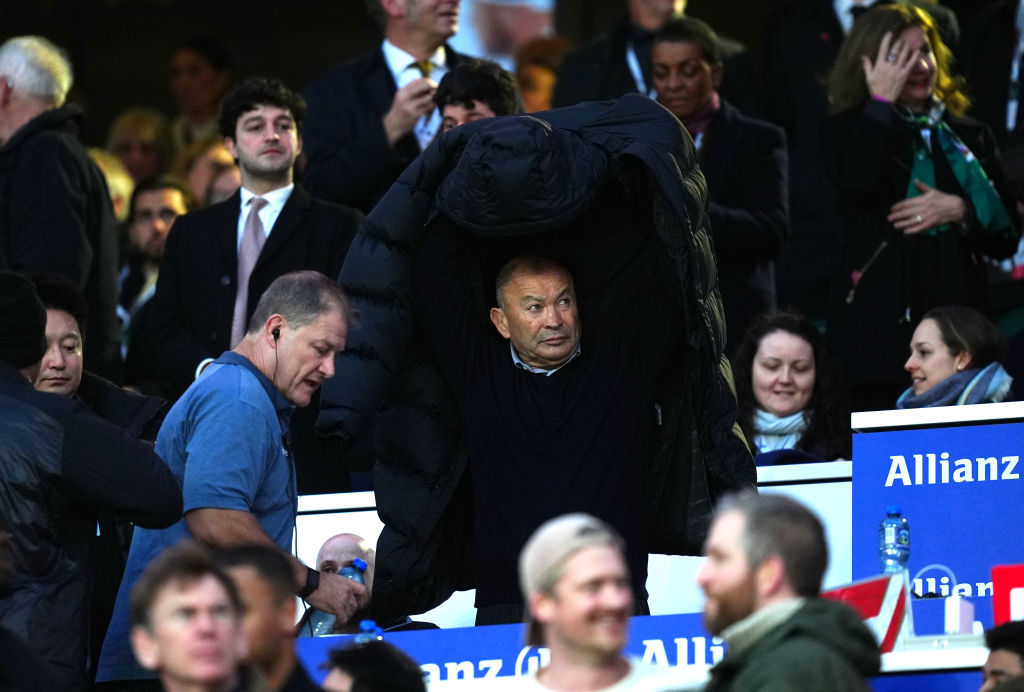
(959, 486)
(471, 653)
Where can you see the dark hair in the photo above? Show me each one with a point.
(186, 562)
(827, 414)
(845, 83)
(301, 297)
(163, 182)
(211, 49)
(480, 80)
(531, 264)
(271, 566)
(59, 293)
(253, 93)
(378, 666)
(691, 30)
(963, 329)
(779, 525)
(1008, 636)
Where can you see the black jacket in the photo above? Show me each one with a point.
(384, 378)
(56, 217)
(745, 163)
(60, 465)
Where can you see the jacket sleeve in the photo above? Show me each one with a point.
(757, 228)
(168, 345)
(860, 147)
(106, 468)
(349, 157)
(48, 208)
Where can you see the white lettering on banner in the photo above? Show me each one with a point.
(461, 670)
(654, 652)
(491, 667)
(531, 659)
(932, 469)
(929, 585)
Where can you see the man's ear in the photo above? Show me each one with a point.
(770, 577)
(716, 75)
(542, 607)
(147, 652)
(393, 8)
(500, 321)
(272, 329)
(229, 144)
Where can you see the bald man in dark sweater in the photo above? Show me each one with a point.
(551, 426)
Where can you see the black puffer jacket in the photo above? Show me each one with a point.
(493, 179)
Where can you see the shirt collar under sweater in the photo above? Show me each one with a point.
(742, 635)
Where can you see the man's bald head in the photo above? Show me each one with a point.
(339, 551)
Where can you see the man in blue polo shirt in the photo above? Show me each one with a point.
(226, 442)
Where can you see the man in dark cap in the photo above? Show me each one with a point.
(61, 465)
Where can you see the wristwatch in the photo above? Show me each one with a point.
(312, 583)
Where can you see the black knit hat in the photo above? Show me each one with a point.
(23, 327)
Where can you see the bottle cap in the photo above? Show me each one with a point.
(367, 625)
(360, 563)
(892, 510)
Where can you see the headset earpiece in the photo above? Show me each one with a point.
(276, 333)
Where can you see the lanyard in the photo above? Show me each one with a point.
(634, 69)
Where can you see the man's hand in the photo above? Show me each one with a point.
(411, 102)
(339, 596)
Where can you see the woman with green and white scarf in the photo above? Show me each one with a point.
(922, 196)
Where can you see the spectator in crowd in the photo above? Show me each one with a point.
(574, 579)
(267, 591)
(155, 206)
(954, 360)
(766, 555)
(539, 416)
(922, 194)
(62, 372)
(200, 164)
(537, 63)
(375, 666)
(226, 441)
(790, 391)
(200, 77)
(744, 163)
(476, 89)
(187, 624)
(61, 465)
(1005, 655)
(801, 44)
(20, 668)
(119, 183)
(370, 117)
(56, 215)
(219, 260)
(141, 139)
(619, 62)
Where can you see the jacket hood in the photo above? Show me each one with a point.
(522, 176)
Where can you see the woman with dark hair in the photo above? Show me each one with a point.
(954, 360)
(790, 391)
(921, 189)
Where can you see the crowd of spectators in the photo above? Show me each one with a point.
(852, 215)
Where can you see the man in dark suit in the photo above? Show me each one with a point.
(219, 260)
(745, 165)
(619, 62)
(370, 117)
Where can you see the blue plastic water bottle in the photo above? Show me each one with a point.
(323, 623)
(368, 632)
(894, 541)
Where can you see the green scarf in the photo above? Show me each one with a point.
(989, 209)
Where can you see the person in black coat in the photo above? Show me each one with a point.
(190, 316)
(61, 465)
(922, 195)
(745, 165)
(368, 118)
(55, 211)
(619, 62)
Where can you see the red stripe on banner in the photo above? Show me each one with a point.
(894, 625)
(866, 598)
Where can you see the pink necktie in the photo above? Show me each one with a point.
(253, 238)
